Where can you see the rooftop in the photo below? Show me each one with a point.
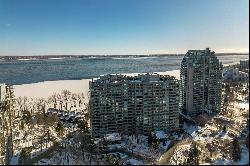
(119, 78)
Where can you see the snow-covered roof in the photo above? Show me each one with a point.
(160, 134)
(113, 137)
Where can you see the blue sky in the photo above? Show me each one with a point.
(39, 27)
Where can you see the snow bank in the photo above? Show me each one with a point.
(47, 88)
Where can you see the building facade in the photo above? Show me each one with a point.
(139, 104)
(200, 83)
(244, 64)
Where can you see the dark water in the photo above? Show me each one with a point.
(30, 71)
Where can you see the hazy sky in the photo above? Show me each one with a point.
(38, 27)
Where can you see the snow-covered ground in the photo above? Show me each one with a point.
(213, 141)
(210, 136)
(180, 154)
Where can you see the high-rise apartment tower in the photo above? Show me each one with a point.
(200, 83)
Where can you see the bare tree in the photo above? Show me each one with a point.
(53, 99)
(66, 95)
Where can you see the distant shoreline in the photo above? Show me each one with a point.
(26, 71)
(44, 57)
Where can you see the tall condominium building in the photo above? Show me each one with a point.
(138, 104)
(200, 82)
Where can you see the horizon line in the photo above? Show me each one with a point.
(242, 53)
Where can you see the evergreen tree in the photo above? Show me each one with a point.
(116, 162)
(156, 143)
(150, 140)
(236, 150)
(24, 155)
(196, 154)
(193, 156)
(164, 143)
(111, 160)
(118, 156)
(227, 88)
(59, 127)
(224, 128)
(26, 116)
(83, 125)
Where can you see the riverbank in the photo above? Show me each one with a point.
(48, 88)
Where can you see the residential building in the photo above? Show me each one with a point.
(233, 74)
(244, 64)
(139, 104)
(200, 83)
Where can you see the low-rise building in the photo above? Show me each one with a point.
(233, 74)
